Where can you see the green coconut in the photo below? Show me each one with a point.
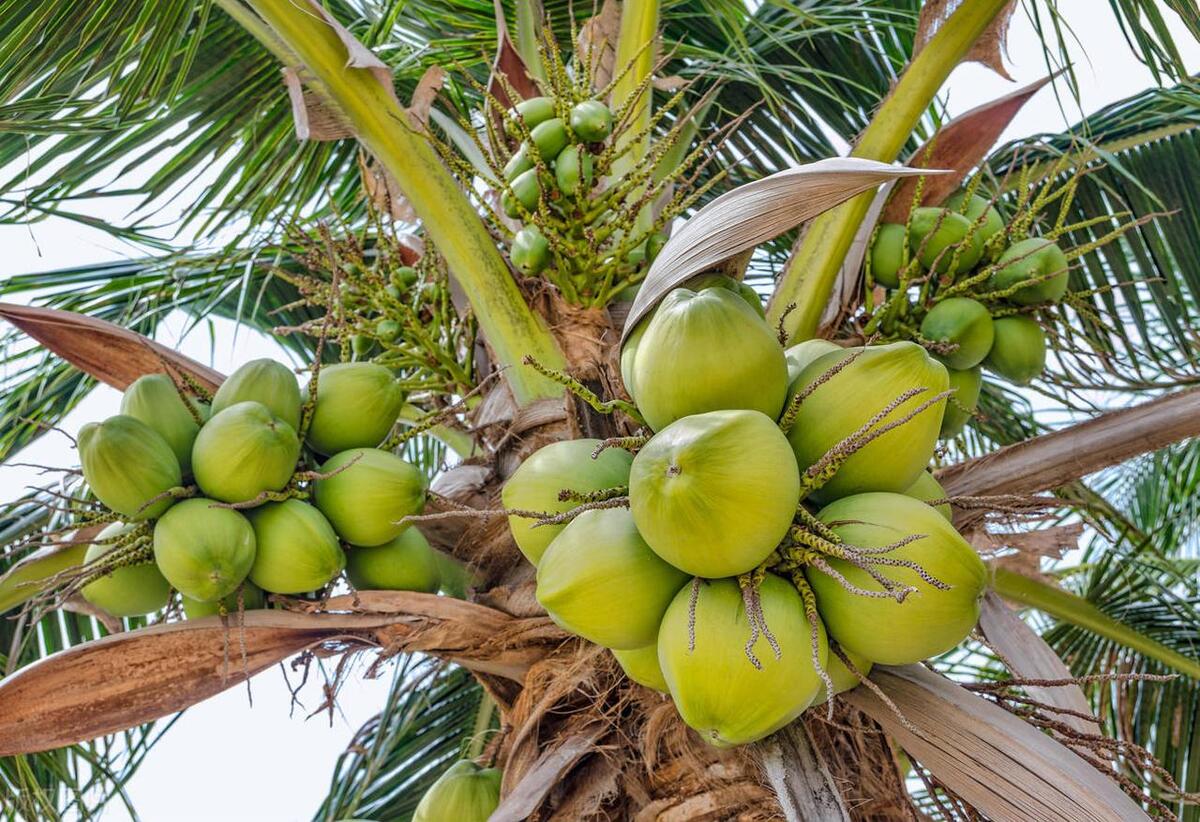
(524, 189)
(1038, 261)
(801, 354)
(297, 550)
(366, 494)
(406, 563)
(592, 121)
(155, 400)
(742, 289)
(961, 407)
(1019, 352)
(530, 252)
(600, 580)
(559, 466)
(978, 210)
(944, 241)
(573, 170)
(264, 381)
(714, 494)
(846, 401)
(130, 590)
(843, 678)
(962, 322)
(532, 111)
(518, 163)
(455, 578)
(706, 351)
(464, 793)
(716, 687)
(243, 451)
(641, 665)
(931, 620)
(927, 489)
(126, 463)
(204, 551)
(357, 405)
(253, 599)
(887, 255)
(550, 138)
(629, 351)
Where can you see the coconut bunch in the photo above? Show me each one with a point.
(772, 536)
(251, 491)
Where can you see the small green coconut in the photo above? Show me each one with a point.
(126, 463)
(263, 381)
(367, 493)
(1039, 262)
(297, 549)
(887, 255)
(843, 678)
(960, 322)
(243, 451)
(129, 590)
(641, 665)
(154, 399)
(252, 596)
(927, 489)
(1019, 352)
(357, 405)
(204, 551)
(944, 241)
(961, 407)
(406, 563)
(464, 793)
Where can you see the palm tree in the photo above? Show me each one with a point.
(102, 88)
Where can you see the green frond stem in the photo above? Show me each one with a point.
(639, 27)
(529, 29)
(809, 277)
(1075, 610)
(26, 579)
(483, 721)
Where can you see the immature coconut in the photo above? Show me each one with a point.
(573, 170)
(961, 406)
(927, 489)
(533, 111)
(128, 590)
(297, 550)
(1019, 352)
(559, 466)
(523, 189)
(518, 163)
(641, 665)
(243, 451)
(742, 289)
(1037, 261)
(978, 210)
(944, 241)
(126, 463)
(357, 405)
(887, 255)
(961, 322)
(716, 687)
(802, 353)
(600, 580)
(455, 578)
(264, 381)
(931, 620)
(713, 494)
(592, 121)
(367, 492)
(464, 793)
(154, 399)
(706, 351)
(549, 137)
(203, 550)
(843, 678)
(252, 598)
(530, 252)
(843, 403)
(406, 563)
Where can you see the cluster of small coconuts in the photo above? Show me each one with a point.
(735, 579)
(224, 503)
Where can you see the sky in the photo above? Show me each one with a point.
(225, 760)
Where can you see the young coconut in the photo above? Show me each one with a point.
(961, 406)
(933, 618)
(559, 466)
(1037, 261)
(742, 289)
(573, 170)
(533, 111)
(252, 596)
(706, 644)
(713, 494)
(592, 121)
(530, 251)
(297, 550)
(887, 254)
(1019, 352)
(129, 590)
(550, 138)
(154, 399)
(366, 492)
(464, 793)
(204, 551)
(243, 451)
(706, 351)
(843, 678)
(406, 563)
(961, 322)
(927, 489)
(841, 404)
(455, 577)
(944, 242)
(357, 405)
(126, 463)
(264, 381)
(974, 208)
(641, 665)
(801, 354)
(600, 580)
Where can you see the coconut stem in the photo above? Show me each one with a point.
(568, 495)
(178, 492)
(692, 600)
(584, 393)
(814, 622)
(630, 444)
(793, 408)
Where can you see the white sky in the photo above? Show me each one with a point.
(225, 761)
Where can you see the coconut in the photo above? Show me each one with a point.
(966, 385)
(706, 351)
(130, 590)
(297, 550)
(253, 599)
(1033, 259)
(963, 322)
(263, 381)
(573, 169)
(532, 111)
(154, 400)
(974, 208)
(367, 492)
(455, 578)
(464, 793)
(848, 400)
(742, 289)
(931, 620)
(559, 466)
(713, 494)
(530, 251)
(406, 563)
(549, 137)
(525, 189)
(843, 678)
(939, 238)
(887, 254)
(801, 354)
(1019, 352)
(518, 163)
(926, 489)
(592, 121)
(600, 580)
(716, 687)
(641, 665)
(126, 463)
(243, 451)
(357, 405)
(204, 551)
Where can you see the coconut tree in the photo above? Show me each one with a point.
(215, 71)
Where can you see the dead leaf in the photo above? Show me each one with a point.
(597, 43)
(1053, 541)
(426, 93)
(111, 354)
(383, 190)
(992, 45)
(358, 56)
(801, 781)
(847, 289)
(509, 66)
(545, 775)
(312, 117)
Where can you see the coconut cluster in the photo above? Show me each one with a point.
(773, 537)
(254, 492)
(979, 291)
